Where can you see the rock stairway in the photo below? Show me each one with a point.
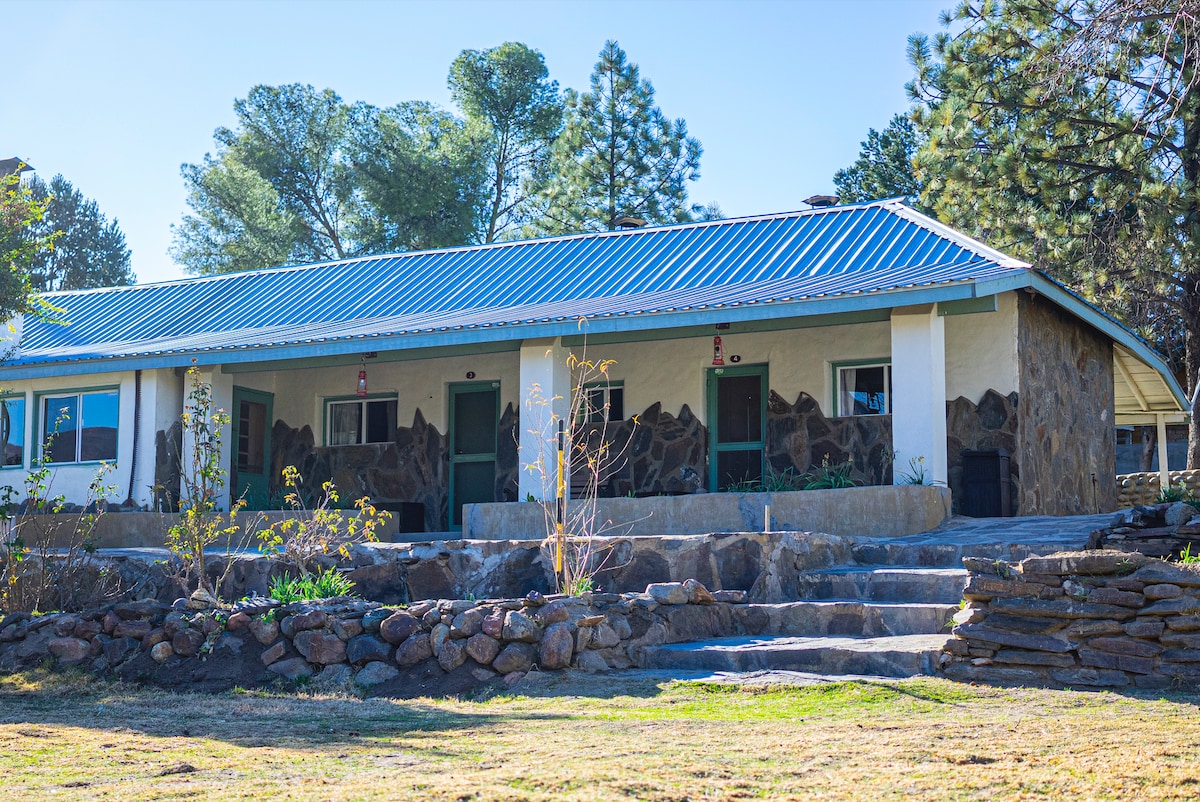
(889, 615)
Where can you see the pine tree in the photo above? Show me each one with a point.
(618, 156)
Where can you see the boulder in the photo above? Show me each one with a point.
(313, 619)
(556, 647)
(520, 627)
(514, 657)
(161, 651)
(366, 648)
(373, 674)
(482, 648)
(667, 593)
(293, 668)
(468, 623)
(321, 648)
(264, 631)
(451, 655)
(274, 653)
(397, 628)
(697, 593)
(415, 649)
(69, 650)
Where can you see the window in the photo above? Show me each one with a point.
(360, 421)
(603, 401)
(864, 389)
(12, 432)
(80, 427)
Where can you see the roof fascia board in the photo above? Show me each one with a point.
(407, 355)
(738, 327)
(632, 322)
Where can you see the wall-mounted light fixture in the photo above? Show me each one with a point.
(361, 390)
(718, 351)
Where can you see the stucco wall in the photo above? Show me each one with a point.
(1065, 413)
(981, 351)
(159, 392)
(419, 384)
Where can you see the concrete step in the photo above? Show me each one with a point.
(891, 584)
(900, 656)
(846, 617)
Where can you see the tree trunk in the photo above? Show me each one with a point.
(1192, 361)
(1149, 437)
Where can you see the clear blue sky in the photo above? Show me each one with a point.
(116, 95)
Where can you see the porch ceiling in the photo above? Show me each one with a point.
(1141, 392)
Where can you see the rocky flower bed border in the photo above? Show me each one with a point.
(408, 651)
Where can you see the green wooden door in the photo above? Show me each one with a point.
(251, 474)
(737, 425)
(474, 420)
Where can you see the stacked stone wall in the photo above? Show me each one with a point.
(1079, 619)
(1141, 489)
(989, 424)
(345, 642)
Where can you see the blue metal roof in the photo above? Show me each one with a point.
(674, 275)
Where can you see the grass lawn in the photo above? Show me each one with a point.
(598, 738)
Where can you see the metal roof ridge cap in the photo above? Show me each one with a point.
(902, 209)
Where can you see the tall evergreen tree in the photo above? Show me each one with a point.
(1068, 132)
(506, 91)
(618, 156)
(21, 244)
(884, 167)
(89, 252)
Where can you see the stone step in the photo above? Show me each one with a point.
(901, 656)
(846, 617)
(891, 584)
(948, 555)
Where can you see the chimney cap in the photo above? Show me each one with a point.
(821, 201)
(629, 222)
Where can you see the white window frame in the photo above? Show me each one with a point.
(590, 414)
(839, 367)
(46, 427)
(330, 403)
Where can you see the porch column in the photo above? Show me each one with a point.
(919, 390)
(222, 396)
(545, 398)
(1164, 473)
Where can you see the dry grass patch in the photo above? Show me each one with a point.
(598, 738)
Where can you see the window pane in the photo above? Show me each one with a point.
(60, 417)
(345, 420)
(475, 422)
(12, 431)
(738, 466)
(864, 391)
(616, 403)
(381, 421)
(99, 420)
(739, 409)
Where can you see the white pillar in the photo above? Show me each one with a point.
(222, 397)
(919, 389)
(1164, 473)
(545, 399)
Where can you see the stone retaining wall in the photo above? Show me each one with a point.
(428, 647)
(1142, 489)
(1079, 619)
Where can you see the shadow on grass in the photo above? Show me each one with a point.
(243, 718)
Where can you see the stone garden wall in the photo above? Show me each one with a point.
(1138, 489)
(427, 648)
(1079, 619)
(989, 424)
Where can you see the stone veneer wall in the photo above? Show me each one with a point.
(799, 437)
(992, 423)
(168, 448)
(414, 467)
(1065, 413)
(1093, 618)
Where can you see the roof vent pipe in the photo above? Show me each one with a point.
(629, 222)
(821, 201)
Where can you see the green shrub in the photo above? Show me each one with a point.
(326, 584)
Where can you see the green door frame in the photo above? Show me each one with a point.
(257, 487)
(711, 377)
(456, 389)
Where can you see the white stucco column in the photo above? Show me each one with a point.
(222, 395)
(545, 398)
(919, 390)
